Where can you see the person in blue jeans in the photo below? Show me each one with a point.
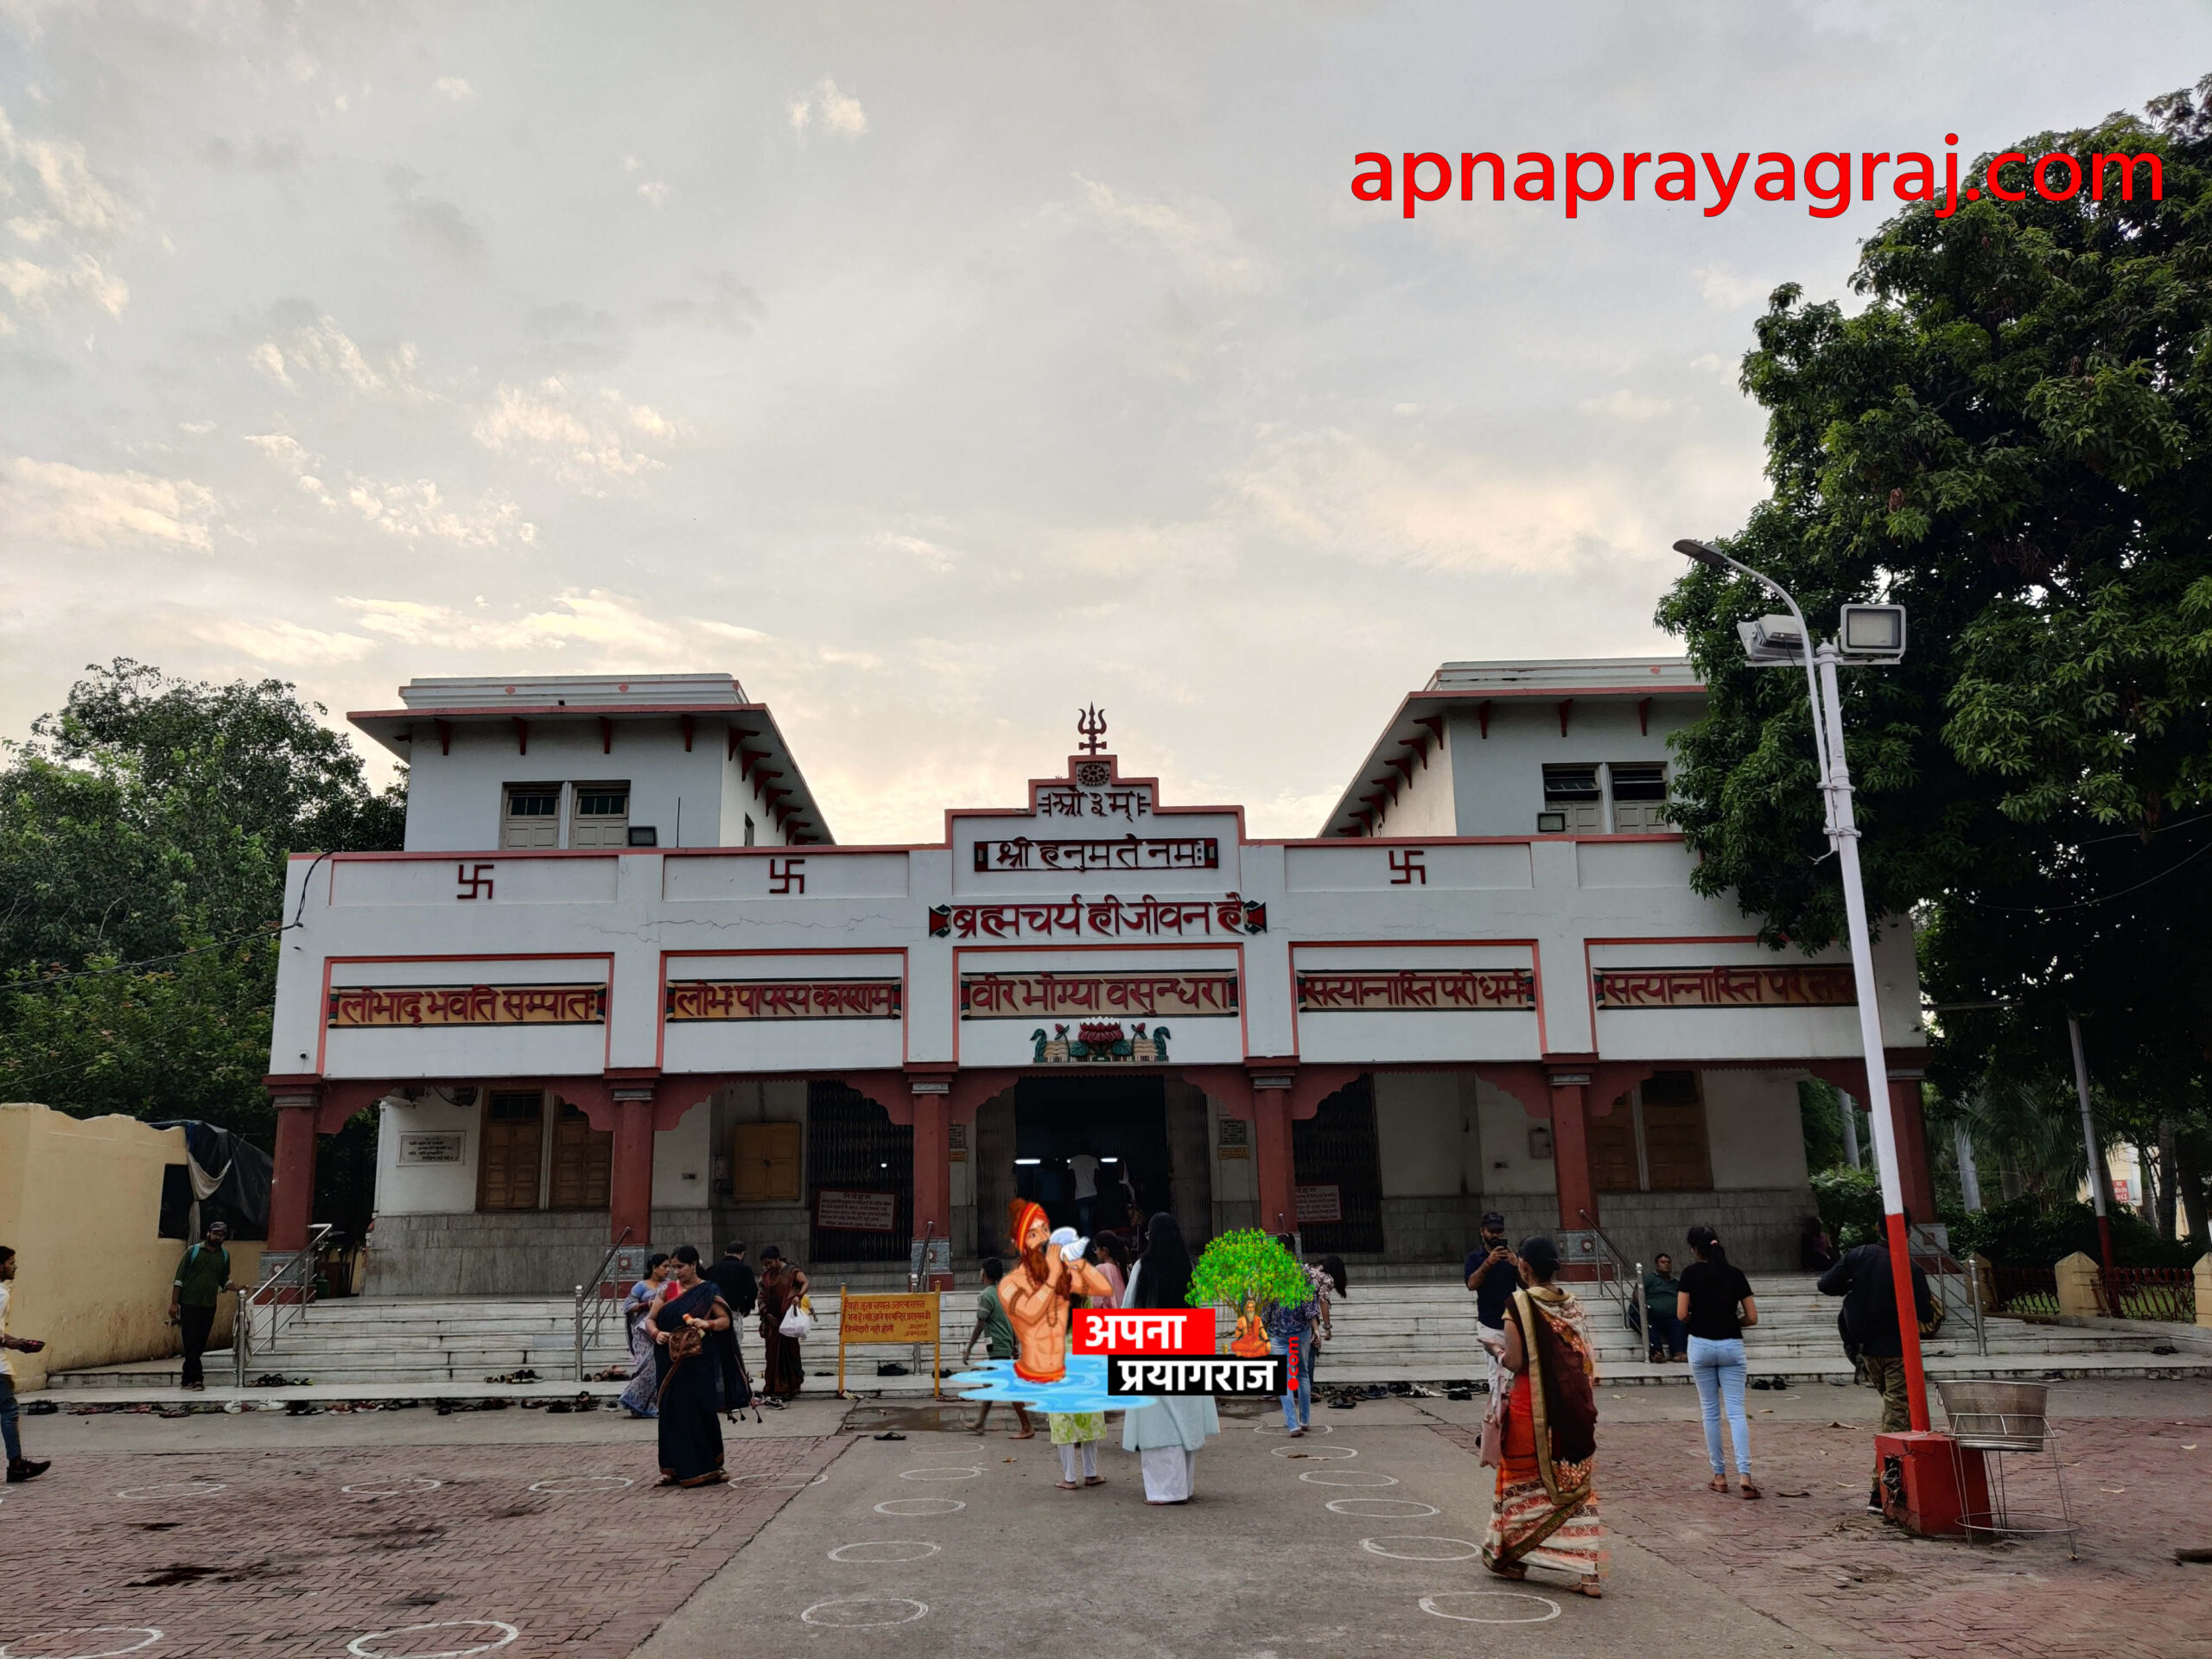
(1290, 1328)
(1715, 1305)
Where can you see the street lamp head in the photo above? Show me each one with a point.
(1703, 552)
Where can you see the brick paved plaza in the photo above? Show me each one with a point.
(232, 1537)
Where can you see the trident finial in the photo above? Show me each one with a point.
(1090, 724)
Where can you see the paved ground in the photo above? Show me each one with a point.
(283, 1561)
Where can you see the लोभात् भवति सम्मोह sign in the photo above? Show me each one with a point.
(1820, 986)
(356, 1007)
(1105, 918)
(856, 1210)
(1038, 995)
(1020, 852)
(1416, 990)
(1100, 1042)
(782, 999)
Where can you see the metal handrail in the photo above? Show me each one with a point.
(1626, 1286)
(1942, 1269)
(597, 1302)
(299, 1268)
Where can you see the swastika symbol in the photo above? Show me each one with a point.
(472, 881)
(1408, 868)
(784, 876)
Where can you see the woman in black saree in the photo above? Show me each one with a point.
(688, 1377)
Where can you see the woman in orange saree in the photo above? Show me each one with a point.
(1545, 1511)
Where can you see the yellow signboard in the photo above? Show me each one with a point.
(908, 1318)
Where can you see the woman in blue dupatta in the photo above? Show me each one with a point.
(689, 1374)
(637, 1398)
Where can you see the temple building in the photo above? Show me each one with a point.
(623, 986)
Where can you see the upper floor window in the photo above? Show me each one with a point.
(1575, 803)
(601, 818)
(1627, 797)
(533, 818)
(1639, 796)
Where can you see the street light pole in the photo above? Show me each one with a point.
(1843, 835)
(2097, 1174)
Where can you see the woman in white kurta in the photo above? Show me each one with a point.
(1168, 1434)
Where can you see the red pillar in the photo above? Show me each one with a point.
(1570, 1151)
(291, 1194)
(630, 1181)
(933, 1170)
(1913, 1174)
(1277, 1171)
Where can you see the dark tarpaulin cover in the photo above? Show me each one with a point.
(234, 1172)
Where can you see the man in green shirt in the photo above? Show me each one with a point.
(996, 1332)
(203, 1273)
(1666, 1340)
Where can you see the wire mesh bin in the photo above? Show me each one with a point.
(2005, 1421)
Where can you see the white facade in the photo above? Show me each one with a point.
(1415, 998)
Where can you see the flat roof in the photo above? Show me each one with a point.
(1577, 674)
(596, 691)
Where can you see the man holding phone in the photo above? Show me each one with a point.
(1493, 1274)
(20, 1468)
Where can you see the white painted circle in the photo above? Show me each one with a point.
(1324, 1453)
(1311, 1428)
(775, 1482)
(406, 1486)
(359, 1644)
(172, 1489)
(1463, 1549)
(1551, 1608)
(906, 1549)
(1381, 1509)
(864, 1613)
(1348, 1477)
(919, 1506)
(965, 1472)
(560, 1485)
(146, 1633)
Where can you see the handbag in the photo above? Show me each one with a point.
(1493, 1440)
(798, 1321)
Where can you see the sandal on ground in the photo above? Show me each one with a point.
(1069, 1485)
(1094, 1480)
(1718, 1483)
(1026, 1434)
(1749, 1490)
(1592, 1589)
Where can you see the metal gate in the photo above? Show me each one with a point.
(852, 1145)
(1336, 1147)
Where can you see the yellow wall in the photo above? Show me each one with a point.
(80, 1202)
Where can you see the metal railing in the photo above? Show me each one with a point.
(1956, 1288)
(2019, 1291)
(588, 1296)
(1624, 1287)
(285, 1292)
(2161, 1293)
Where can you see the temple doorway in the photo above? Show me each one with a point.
(1092, 1150)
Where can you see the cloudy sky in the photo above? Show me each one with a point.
(935, 369)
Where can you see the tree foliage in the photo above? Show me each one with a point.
(144, 834)
(1247, 1265)
(2011, 437)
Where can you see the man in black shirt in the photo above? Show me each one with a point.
(1863, 1278)
(1493, 1273)
(733, 1278)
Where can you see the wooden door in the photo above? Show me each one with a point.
(1612, 1149)
(764, 1164)
(1675, 1142)
(583, 1161)
(512, 1139)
